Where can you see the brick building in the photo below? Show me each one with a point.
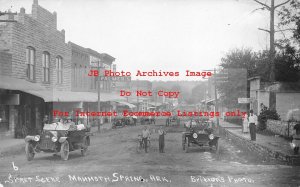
(34, 58)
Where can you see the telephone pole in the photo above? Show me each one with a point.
(272, 31)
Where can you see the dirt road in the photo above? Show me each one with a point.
(113, 160)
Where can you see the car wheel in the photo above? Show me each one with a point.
(29, 150)
(217, 147)
(64, 150)
(187, 145)
(84, 146)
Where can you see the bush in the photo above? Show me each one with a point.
(264, 115)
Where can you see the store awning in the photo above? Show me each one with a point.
(11, 83)
(126, 104)
(155, 103)
(69, 96)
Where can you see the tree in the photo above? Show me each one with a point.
(198, 94)
(272, 31)
(240, 64)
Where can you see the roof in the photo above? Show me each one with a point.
(126, 103)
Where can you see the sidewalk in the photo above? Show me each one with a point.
(12, 146)
(272, 147)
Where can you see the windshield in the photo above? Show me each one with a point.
(57, 126)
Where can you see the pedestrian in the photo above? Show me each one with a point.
(168, 121)
(145, 136)
(161, 139)
(245, 124)
(134, 119)
(252, 125)
(296, 139)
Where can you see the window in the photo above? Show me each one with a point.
(59, 69)
(46, 69)
(30, 61)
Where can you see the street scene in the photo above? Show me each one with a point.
(150, 93)
(113, 155)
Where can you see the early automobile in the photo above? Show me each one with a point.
(58, 138)
(173, 120)
(118, 122)
(201, 135)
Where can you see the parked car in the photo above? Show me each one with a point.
(148, 120)
(58, 138)
(129, 121)
(199, 134)
(118, 122)
(173, 120)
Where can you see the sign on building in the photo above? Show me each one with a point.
(244, 100)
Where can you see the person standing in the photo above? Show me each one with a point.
(161, 139)
(245, 124)
(145, 136)
(252, 125)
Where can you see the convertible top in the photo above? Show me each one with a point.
(57, 126)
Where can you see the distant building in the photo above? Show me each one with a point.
(286, 96)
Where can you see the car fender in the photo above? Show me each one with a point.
(29, 138)
(62, 139)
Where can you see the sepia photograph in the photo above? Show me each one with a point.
(149, 93)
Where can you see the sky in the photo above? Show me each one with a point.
(167, 35)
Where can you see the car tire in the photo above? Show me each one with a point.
(187, 145)
(29, 150)
(64, 150)
(84, 146)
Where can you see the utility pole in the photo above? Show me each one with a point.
(216, 96)
(99, 94)
(272, 31)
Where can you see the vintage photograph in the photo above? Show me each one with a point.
(149, 93)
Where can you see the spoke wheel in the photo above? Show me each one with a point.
(29, 150)
(64, 150)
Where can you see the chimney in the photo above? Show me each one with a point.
(35, 2)
(22, 10)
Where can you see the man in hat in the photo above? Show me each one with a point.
(161, 139)
(145, 136)
(252, 125)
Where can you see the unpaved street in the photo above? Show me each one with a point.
(113, 160)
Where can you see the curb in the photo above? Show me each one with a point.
(260, 149)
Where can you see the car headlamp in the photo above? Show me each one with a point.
(292, 145)
(37, 138)
(54, 139)
(195, 135)
(211, 136)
